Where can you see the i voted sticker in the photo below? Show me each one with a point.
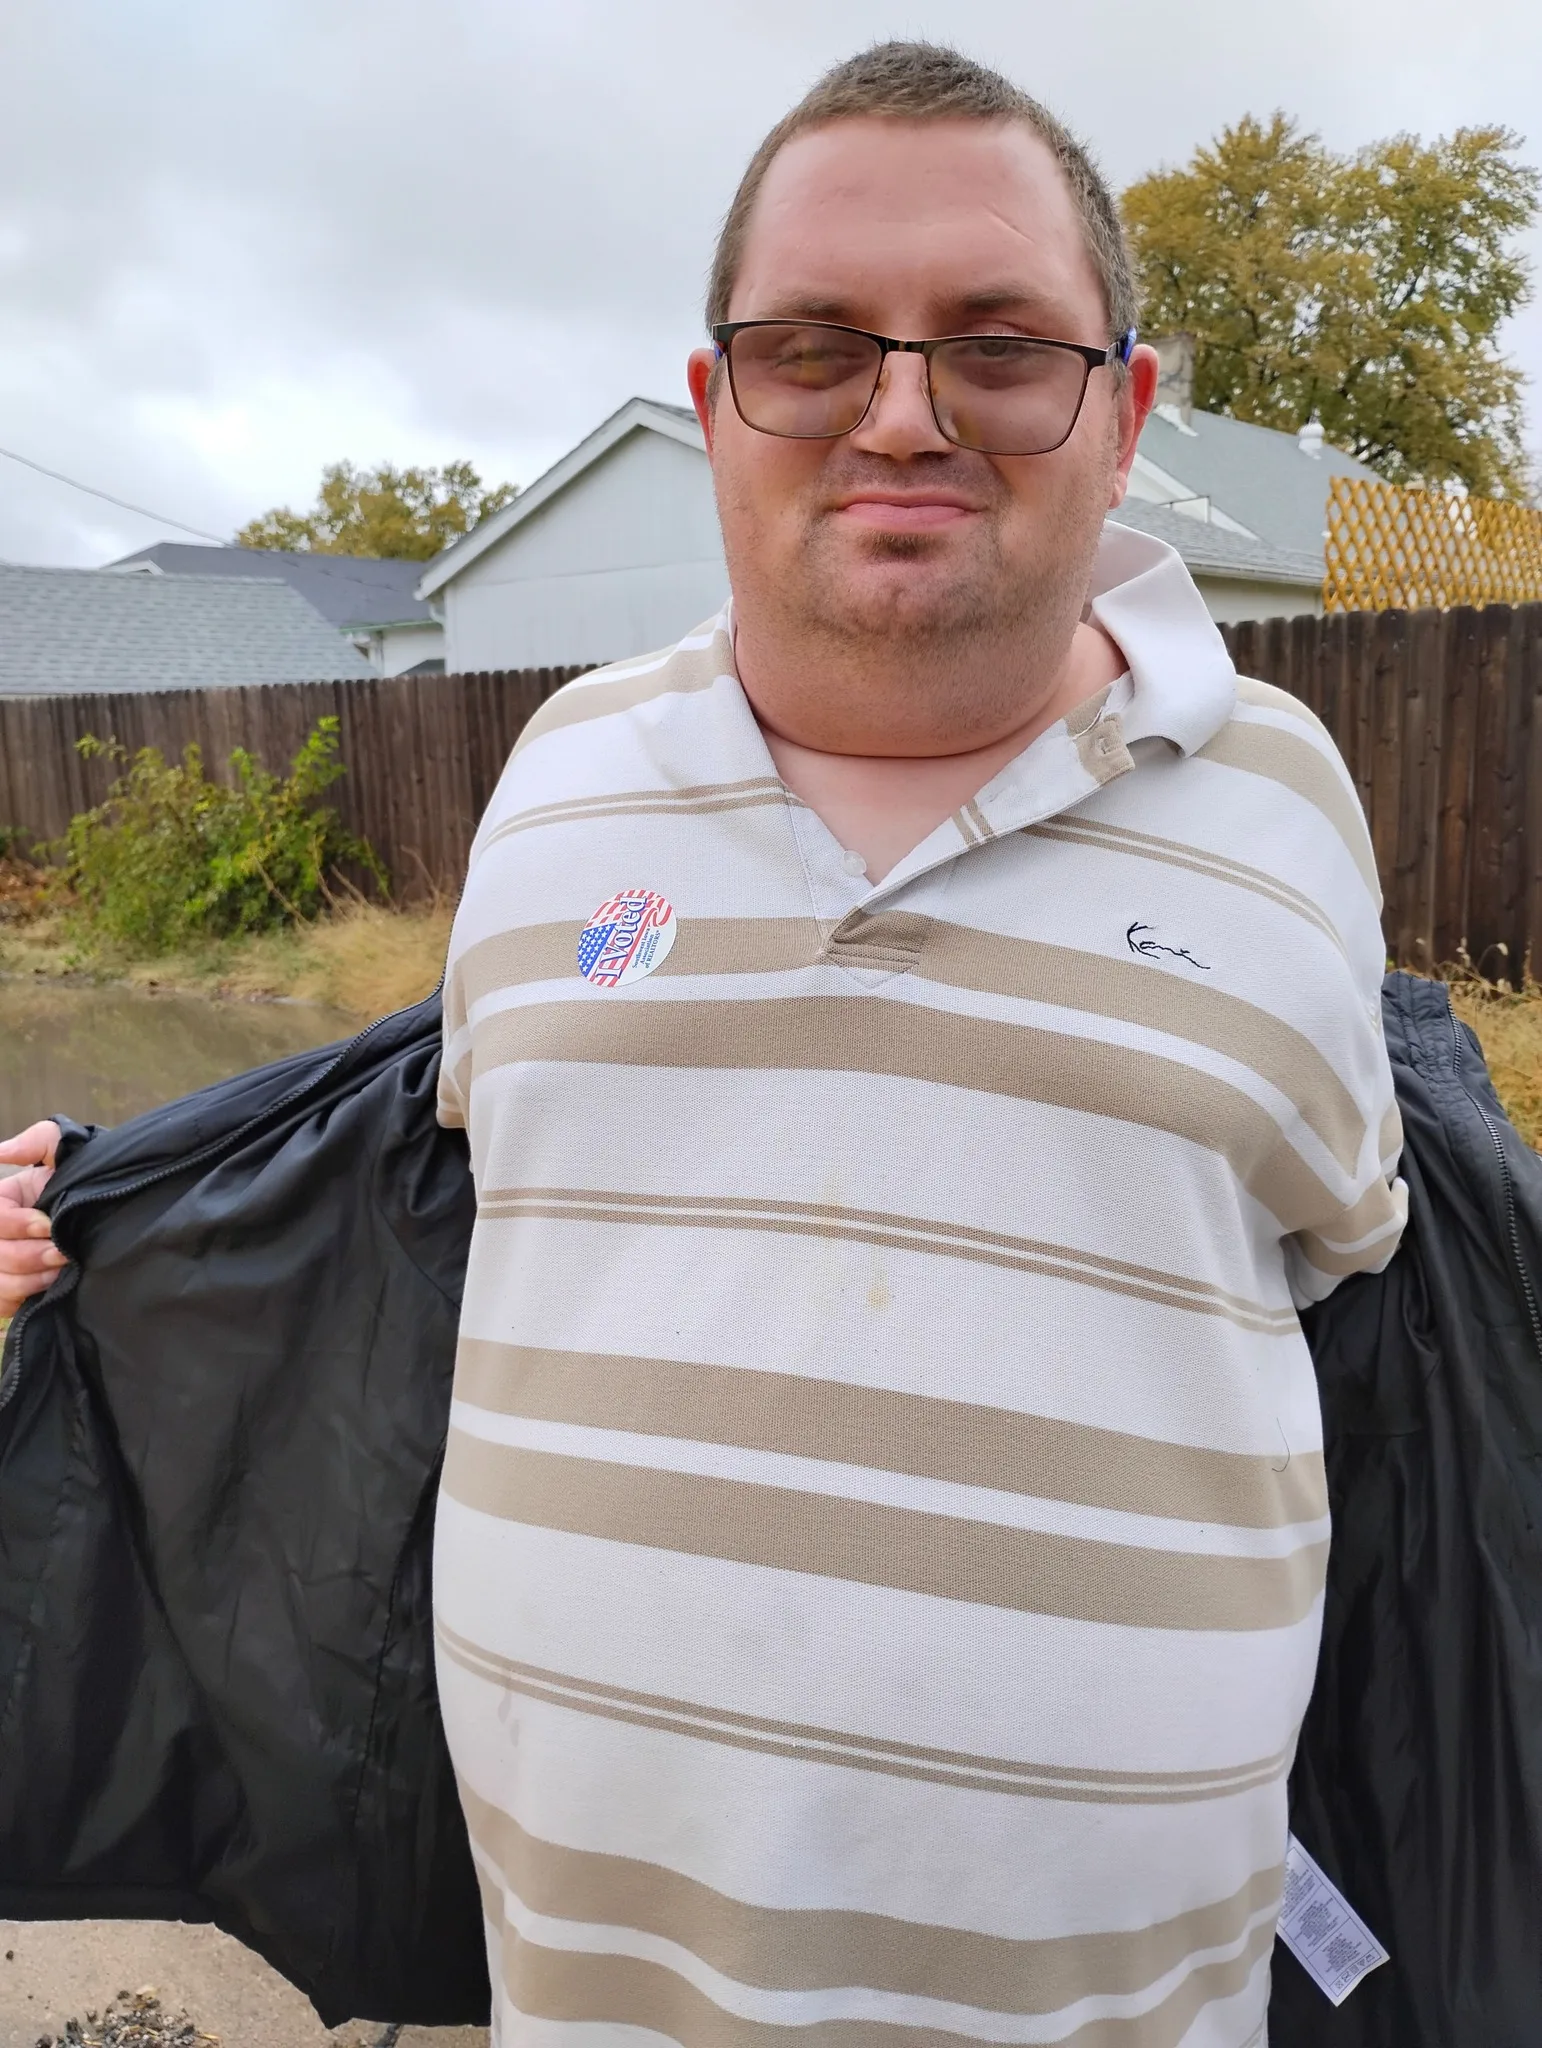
(626, 938)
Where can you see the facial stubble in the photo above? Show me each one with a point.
(945, 648)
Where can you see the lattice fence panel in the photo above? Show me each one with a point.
(1396, 547)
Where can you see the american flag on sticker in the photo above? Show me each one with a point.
(626, 938)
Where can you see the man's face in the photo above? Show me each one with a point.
(918, 229)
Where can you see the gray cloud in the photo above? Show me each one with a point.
(239, 241)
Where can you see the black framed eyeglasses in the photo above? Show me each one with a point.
(999, 394)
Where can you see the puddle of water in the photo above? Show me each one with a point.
(105, 1054)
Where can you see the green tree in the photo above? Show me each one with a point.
(402, 514)
(1365, 290)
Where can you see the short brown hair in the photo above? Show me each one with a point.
(928, 82)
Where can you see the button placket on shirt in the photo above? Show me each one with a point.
(865, 930)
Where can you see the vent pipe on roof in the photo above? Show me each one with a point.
(1310, 439)
(1175, 374)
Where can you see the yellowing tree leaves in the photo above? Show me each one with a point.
(1367, 291)
(401, 514)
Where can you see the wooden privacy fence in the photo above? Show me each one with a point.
(1439, 716)
(422, 753)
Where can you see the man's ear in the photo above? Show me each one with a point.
(699, 375)
(1137, 395)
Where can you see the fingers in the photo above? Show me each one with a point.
(15, 1288)
(18, 1225)
(21, 1190)
(37, 1145)
(26, 1240)
(29, 1260)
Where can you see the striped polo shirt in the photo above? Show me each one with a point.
(880, 1554)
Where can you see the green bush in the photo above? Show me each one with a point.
(170, 857)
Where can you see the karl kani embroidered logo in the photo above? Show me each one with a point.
(1149, 948)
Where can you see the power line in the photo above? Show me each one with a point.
(107, 497)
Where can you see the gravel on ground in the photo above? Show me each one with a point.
(156, 1984)
(134, 2019)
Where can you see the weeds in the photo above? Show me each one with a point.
(170, 859)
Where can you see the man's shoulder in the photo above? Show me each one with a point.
(1269, 697)
(690, 664)
(1275, 736)
(1291, 786)
(596, 746)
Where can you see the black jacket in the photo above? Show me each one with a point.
(219, 1449)
(220, 1435)
(1418, 1781)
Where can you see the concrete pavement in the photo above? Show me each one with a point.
(52, 1971)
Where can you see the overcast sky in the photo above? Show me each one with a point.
(239, 241)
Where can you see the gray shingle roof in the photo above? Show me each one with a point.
(347, 590)
(1215, 551)
(1257, 475)
(70, 630)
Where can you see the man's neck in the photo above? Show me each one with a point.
(880, 804)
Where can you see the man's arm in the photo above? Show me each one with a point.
(29, 1259)
(1361, 1233)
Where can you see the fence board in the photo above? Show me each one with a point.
(1411, 897)
(1514, 740)
(1384, 669)
(1437, 714)
(1485, 895)
(1528, 622)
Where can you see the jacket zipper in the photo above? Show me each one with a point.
(1512, 1229)
(10, 1355)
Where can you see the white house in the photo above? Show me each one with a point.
(616, 548)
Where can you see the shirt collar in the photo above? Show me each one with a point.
(1180, 686)
(1183, 686)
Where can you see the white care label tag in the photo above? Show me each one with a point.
(1322, 1930)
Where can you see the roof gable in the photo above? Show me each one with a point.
(638, 415)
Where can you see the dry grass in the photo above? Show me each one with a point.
(1509, 1027)
(362, 961)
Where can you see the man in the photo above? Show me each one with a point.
(918, 1040)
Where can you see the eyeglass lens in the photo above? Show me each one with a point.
(996, 393)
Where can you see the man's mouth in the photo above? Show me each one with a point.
(906, 511)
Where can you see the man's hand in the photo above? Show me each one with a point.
(29, 1259)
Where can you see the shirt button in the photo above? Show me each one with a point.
(853, 863)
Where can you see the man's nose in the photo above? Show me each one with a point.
(900, 422)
